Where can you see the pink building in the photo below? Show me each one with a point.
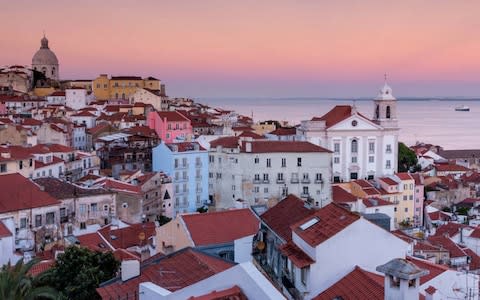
(419, 198)
(170, 126)
(3, 107)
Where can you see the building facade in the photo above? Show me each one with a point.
(362, 148)
(121, 87)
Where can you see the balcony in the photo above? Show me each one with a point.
(304, 195)
(294, 180)
(257, 181)
(266, 181)
(306, 180)
(319, 181)
(181, 167)
(280, 181)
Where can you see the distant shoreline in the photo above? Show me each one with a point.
(337, 99)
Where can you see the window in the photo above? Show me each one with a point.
(83, 208)
(265, 177)
(405, 197)
(303, 275)
(410, 197)
(299, 162)
(211, 159)
(405, 186)
(284, 162)
(371, 159)
(256, 160)
(233, 187)
(388, 164)
(371, 147)
(257, 177)
(388, 112)
(30, 162)
(318, 177)
(269, 162)
(265, 190)
(389, 148)
(305, 176)
(354, 159)
(353, 176)
(354, 146)
(176, 163)
(406, 209)
(336, 160)
(336, 147)
(20, 164)
(280, 176)
(38, 220)
(105, 208)
(50, 218)
(83, 225)
(23, 223)
(93, 207)
(305, 190)
(256, 189)
(3, 168)
(395, 209)
(336, 179)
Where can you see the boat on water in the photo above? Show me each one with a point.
(462, 108)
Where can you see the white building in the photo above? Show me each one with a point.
(154, 97)
(362, 147)
(260, 170)
(76, 98)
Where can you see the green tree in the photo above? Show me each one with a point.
(17, 284)
(78, 272)
(407, 159)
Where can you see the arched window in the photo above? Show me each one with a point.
(388, 112)
(377, 112)
(123, 95)
(354, 147)
(44, 71)
(53, 71)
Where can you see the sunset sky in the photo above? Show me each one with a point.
(257, 48)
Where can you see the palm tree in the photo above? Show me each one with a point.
(17, 284)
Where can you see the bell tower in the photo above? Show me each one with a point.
(385, 107)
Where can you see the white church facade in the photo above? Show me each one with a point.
(362, 148)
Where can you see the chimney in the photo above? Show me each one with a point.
(248, 147)
(402, 279)
(130, 269)
(430, 293)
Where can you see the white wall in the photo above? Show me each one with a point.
(452, 284)
(76, 98)
(243, 249)
(7, 244)
(362, 243)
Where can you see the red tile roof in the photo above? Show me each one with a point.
(439, 216)
(41, 267)
(450, 229)
(375, 201)
(358, 284)
(363, 183)
(233, 293)
(284, 131)
(331, 220)
(434, 269)
(475, 233)
(94, 242)
(128, 236)
(31, 122)
(388, 181)
(340, 195)
(84, 113)
(264, 146)
(287, 212)
(26, 194)
(221, 227)
(445, 242)
(172, 116)
(172, 272)
(4, 232)
(225, 142)
(251, 134)
(113, 184)
(336, 115)
(296, 255)
(185, 146)
(64, 190)
(404, 176)
(450, 168)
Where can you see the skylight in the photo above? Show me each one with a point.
(309, 223)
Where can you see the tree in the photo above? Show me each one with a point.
(17, 284)
(407, 159)
(78, 272)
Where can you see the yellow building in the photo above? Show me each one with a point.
(122, 87)
(400, 189)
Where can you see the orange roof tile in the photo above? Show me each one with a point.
(4, 232)
(296, 255)
(265, 146)
(221, 227)
(340, 195)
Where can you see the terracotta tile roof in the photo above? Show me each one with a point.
(456, 154)
(63, 190)
(336, 115)
(41, 267)
(340, 195)
(185, 146)
(113, 184)
(450, 168)
(331, 219)
(450, 229)
(358, 284)
(122, 254)
(265, 146)
(94, 242)
(172, 272)
(375, 201)
(58, 93)
(424, 246)
(141, 130)
(296, 255)
(55, 160)
(470, 201)
(26, 194)
(123, 238)
(233, 293)
(388, 181)
(434, 269)
(475, 233)
(282, 131)
(172, 116)
(31, 122)
(287, 212)
(445, 242)
(226, 142)
(363, 183)
(84, 113)
(404, 176)
(251, 134)
(221, 227)
(373, 191)
(4, 232)
(439, 216)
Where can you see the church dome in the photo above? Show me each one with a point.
(44, 56)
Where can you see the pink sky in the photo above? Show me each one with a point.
(258, 48)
